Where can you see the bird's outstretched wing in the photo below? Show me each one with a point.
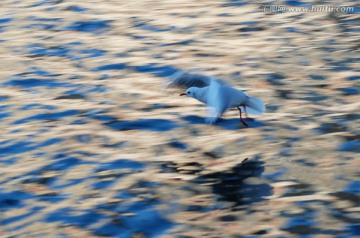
(186, 79)
(217, 101)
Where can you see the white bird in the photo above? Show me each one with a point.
(218, 95)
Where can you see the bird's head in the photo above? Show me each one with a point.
(191, 92)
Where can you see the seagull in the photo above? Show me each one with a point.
(217, 94)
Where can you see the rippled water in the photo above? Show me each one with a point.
(92, 146)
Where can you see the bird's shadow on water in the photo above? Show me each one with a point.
(158, 125)
(228, 124)
(230, 185)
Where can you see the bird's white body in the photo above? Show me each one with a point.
(231, 97)
(217, 95)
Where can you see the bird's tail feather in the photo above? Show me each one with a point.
(254, 106)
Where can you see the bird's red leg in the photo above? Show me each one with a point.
(241, 119)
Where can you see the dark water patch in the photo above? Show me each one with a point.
(71, 96)
(184, 42)
(4, 98)
(295, 30)
(92, 52)
(275, 79)
(234, 3)
(144, 218)
(228, 218)
(34, 82)
(149, 223)
(74, 217)
(47, 116)
(348, 91)
(167, 167)
(251, 28)
(158, 70)
(197, 208)
(216, 153)
(225, 15)
(280, 172)
(119, 66)
(147, 27)
(350, 146)
(4, 115)
(313, 97)
(5, 20)
(331, 128)
(103, 184)
(79, 122)
(63, 164)
(104, 77)
(74, 43)
(95, 27)
(70, 183)
(43, 3)
(353, 77)
(41, 72)
(294, 3)
(261, 232)
(305, 162)
(39, 50)
(9, 161)
(184, 168)
(38, 178)
(17, 148)
(353, 188)
(229, 124)
(138, 37)
(299, 189)
(12, 199)
(37, 106)
(100, 116)
(96, 89)
(300, 226)
(157, 106)
(121, 164)
(158, 125)
(85, 138)
(178, 145)
(207, 55)
(75, 8)
(231, 185)
(248, 23)
(117, 145)
(341, 214)
(317, 77)
(4, 107)
(18, 218)
(41, 26)
(52, 197)
(342, 65)
(43, 19)
(86, 90)
(50, 142)
(353, 230)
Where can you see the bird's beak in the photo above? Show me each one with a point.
(183, 94)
